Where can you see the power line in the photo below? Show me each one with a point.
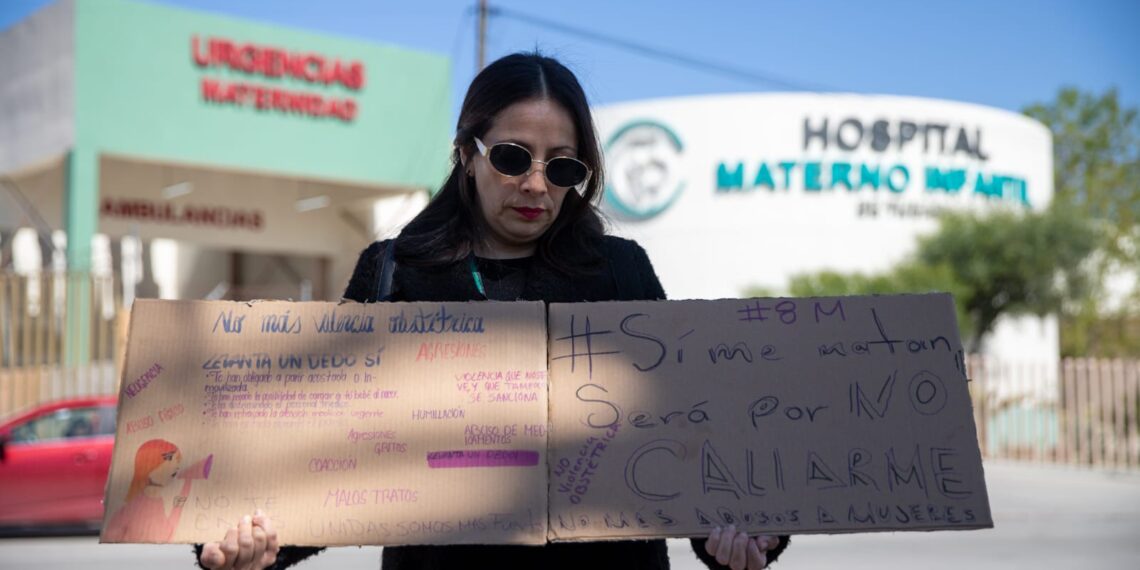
(673, 57)
(482, 34)
(460, 32)
(30, 212)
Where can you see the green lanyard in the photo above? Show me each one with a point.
(475, 275)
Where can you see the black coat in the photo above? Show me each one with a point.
(625, 274)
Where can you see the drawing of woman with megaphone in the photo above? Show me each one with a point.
(154, 504)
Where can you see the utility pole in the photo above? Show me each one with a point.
(481, 37)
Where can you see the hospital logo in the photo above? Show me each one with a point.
(643, 164)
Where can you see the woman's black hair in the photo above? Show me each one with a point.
(448, 229)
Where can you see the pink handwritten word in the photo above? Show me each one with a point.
(450, 350)
(355, 436)
(482, 458)
(140, 383)
(578, 475)
(355, 497)
(390, 447)
(318, 464)
(139, 425)
(172, 412)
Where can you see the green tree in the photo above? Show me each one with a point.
(907, 277)
(1013, 263)
(1096, 161)
(1004, 263)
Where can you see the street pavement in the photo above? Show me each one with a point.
(1044, 517)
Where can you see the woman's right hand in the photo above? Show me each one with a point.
(251, 545)
(737, 550)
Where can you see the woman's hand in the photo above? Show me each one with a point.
(251, 545)
(737, 551)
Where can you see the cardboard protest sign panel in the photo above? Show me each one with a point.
(391, 423)
(782, 416)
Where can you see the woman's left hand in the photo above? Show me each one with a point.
(737, 551)
(251, 545)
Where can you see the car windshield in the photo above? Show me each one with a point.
(67, 423)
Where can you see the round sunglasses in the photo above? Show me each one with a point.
(510, 159)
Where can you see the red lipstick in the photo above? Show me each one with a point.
(529, 213)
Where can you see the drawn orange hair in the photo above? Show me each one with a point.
(147, 459)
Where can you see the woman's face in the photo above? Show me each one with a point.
(166, 470)
(519, 209)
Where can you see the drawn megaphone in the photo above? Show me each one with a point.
(199, 470)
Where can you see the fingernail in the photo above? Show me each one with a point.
(246, 520)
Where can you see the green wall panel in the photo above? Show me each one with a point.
(138, 92)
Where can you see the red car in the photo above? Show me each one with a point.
(54, 461)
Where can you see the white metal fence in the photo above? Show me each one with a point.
(33, 323)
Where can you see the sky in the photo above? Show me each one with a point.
(1000, 53)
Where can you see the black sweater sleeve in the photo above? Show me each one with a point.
(633, 275)
(362, 286)
(286, 557)
(651, 284)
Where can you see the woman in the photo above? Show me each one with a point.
(151, 510)
(515, 220)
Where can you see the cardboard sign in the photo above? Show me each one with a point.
(348, 424)
(427, 423)
(785, 416)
